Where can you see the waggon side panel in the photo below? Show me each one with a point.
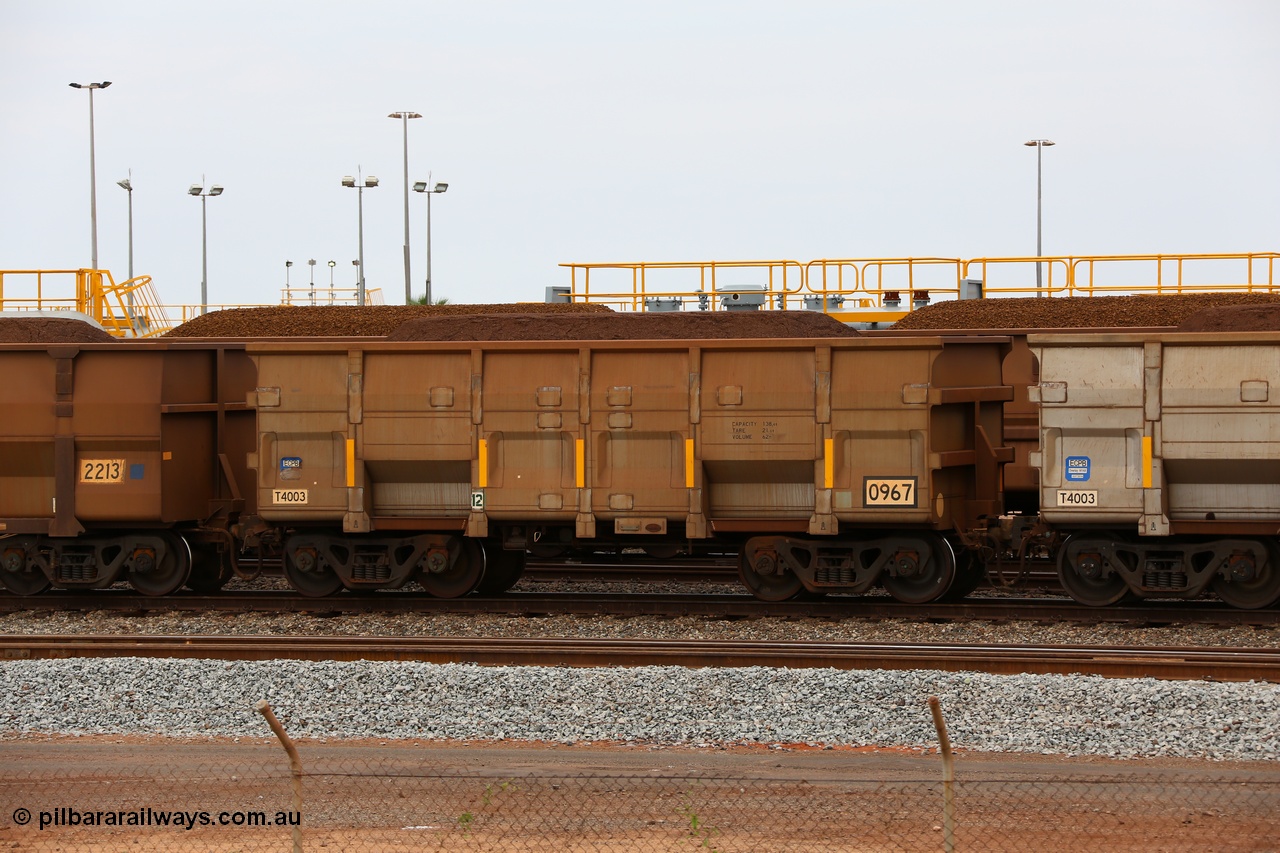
(416, 437)
(640, 422)
(27, 397)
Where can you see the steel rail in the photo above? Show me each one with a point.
(725, 606)
(1175, 663)
(634, 568)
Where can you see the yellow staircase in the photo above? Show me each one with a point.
(130, 309)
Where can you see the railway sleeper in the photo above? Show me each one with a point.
(915, 567)
(1100, 569)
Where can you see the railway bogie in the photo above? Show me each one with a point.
(915, 566)
(154, 563)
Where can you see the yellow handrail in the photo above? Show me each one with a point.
(879, 289)
(778, 278)
(329, 296)
(128, 309)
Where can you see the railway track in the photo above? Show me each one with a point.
(1175, 663)
(629, 568)
(632, 568)
(724, 606)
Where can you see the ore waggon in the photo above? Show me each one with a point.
(123, 461)
(831, 464)
(1159, 460)
(1144, 462)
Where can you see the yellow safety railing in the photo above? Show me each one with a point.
(626, 286)
(33, 294)
(877, 288)
(885, 289)
(131, 309)
(128, 309)
(329, 296)
(1158, 274)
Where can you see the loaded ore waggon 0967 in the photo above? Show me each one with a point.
(832, 464)
(1145, 463)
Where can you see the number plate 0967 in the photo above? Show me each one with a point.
(889, 492)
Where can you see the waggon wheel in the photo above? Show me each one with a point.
(308, 574)
(161, 571)
(17, 572)
(210, 570)
(1251, 586)
(502, 569)
(458, 579)
(1082, 571)
(970, 573)
(921, 572)
(763, 573)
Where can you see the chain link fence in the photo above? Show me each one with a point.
(197, 796)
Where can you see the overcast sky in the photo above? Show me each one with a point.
(646, 131)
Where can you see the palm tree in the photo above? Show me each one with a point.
(422, 300)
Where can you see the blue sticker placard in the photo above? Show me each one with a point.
(137, 471)
(290, 463)
(1078, 469)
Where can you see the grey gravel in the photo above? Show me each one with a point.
(636, 627)
(1076, 715)
(1068, 715)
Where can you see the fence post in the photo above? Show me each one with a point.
(295, 767)
(948, 778)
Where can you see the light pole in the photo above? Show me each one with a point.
(198, 190)
(421, 187)
(93, 169)
(332, 264)
(360, 184)
(288, 297)
(312, 263)
(127, 184)
(1039, 145)
(404, 117)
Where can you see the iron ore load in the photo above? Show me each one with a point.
(440, 450)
